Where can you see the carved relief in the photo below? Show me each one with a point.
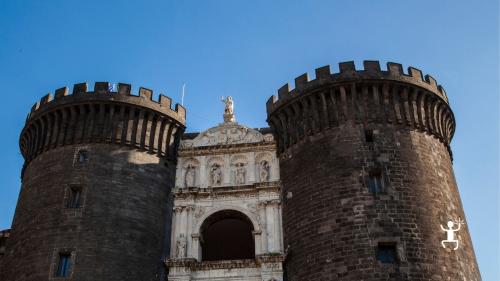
(181, 247)
(226, 133)
(190, 176)
(240, 176)
(264, 171)
(215, 174)
(199, 212)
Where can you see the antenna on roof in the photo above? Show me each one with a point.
(183, 90)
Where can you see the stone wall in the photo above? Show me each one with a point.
(117, 151)
(117, 232)
(338, 133)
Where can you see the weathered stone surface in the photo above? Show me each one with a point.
(118, 231)
(331, 134)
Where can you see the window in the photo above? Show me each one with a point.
(83, 156)
(386, 253)
(369, 135)
(75, 197)
(63, 265)
(375, 182)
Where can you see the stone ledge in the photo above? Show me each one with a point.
(182, 192)
(193, 264)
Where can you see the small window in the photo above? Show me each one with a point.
(369, 135)
(386, 253)
(63, 265)
(83, 156)
(75, 197)
(375, 182)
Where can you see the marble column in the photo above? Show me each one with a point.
(277, 224)
(196, 249)
(271, 228)
(189, 230)
(226, 170)
(257, 242)
(203, 180)
(263, 223)
(251, 168)
(178, 174)
(175, 229)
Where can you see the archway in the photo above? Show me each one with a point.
(227, 235)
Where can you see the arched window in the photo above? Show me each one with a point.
(227, 235)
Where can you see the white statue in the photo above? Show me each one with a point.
(216, 174)
(189, 178)
(181, 247)
(264, 171)
(450, 233)
(229, 109)
(240, 173)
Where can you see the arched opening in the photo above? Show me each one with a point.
(227, 235)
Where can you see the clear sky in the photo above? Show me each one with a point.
(248, 49)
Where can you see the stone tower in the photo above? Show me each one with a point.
(95, 186)
(367, 177)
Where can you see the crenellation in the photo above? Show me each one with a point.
(80, 88)
(431, 81)
(301, 81)
(124, 89)
(372, 66)
(102, 93)
(347, 68)
(60, 93)
(46, 99)
(415, 73)
(395, 69)
(322, 72)
(167, 102)
(101, 87)
(283, 92)
(146, 93)
(348, 73)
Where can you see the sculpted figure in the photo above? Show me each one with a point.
(216, 174)
(190, 176)
(229, 109)
(240, 173)
(181, 247)
(264, 171)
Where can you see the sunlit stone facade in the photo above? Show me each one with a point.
(226, 173)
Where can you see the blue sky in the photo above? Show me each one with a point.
(248, 49)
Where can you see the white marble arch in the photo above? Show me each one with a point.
(254, 219)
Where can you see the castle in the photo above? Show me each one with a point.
(353, 180)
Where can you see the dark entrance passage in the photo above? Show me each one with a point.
(227, 235)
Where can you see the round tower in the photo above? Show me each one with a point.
(368, 184)
(95, 186)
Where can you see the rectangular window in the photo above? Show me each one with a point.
(386, 253)
(75, 197)
(63, 265)
(369, 135)
(83, 156)
(374, 182)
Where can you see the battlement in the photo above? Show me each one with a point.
(104, 91)
(348, 73)
(368, 96)
(104, 115)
